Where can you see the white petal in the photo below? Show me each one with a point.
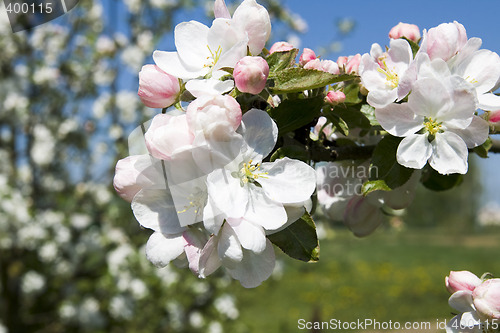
(191, 41)
(382, 98)
(399, 119)
(476, 134)
(251, 236)
(361, 217)
(212, 218)
(254, 268)
(400, 52)
(461, 301)
(260, 133)
(263, 211)
(449, 154)
(171, 63)
(414, 151)
(254, 20)
(209, 87)
(154, 209)
(229, 247)
(489, 102)
(195, 240)
(162, 249)
(227, 194)
(481, 69)
(429, 97)
(209, 258)
(231, 57)
(288, 181)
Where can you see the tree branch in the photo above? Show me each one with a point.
(331, 154)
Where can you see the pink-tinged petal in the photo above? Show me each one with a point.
(460, 114)
(154, 209)
(449, 154)
(461, 301)
(229, 247)
(171, 63)
(414, 151)
(399, 119)
(489, 102)
(134, 173)
(223, 36)
(361, 217)
(263, 211)
(250, 74)
(410, 31)
(254, 268)
(162, 249)
(430, 97)
(475, 134)
(157, 89)
(461, 280)
(277, 185)
(254, 20)
(195, 241)
(487, 299)
(209, 258)
(220, 10)
(251, 236)
(260, 133)
(210, 109)
(191, 41)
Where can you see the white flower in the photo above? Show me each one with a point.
(385, 75)
(438, 125)
(468, 320)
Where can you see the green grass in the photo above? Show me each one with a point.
(386, 276)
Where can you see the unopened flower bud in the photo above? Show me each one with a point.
(462, 280)
(323, 65)
(306, 56)
(335, 97)
(342, 61)
(250, 74)
(487, 299)
(409, 31)
(280, 47)
(494, 117)
(352, 65)
(157, 89)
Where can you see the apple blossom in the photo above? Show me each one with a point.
(438, 124)
(334, 97)
(384, 76)
(444, 41)
(494, 117)
(352, 65)
(306, 56)
(157, 89)
(487, 299)
(323, 65)
(468, 320)
(462, 280)
(134, 173)
(280, 47)
(168, 135)
(321, 128)
(250, 74)
(410, 31)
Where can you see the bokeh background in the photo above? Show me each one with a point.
(71, 253)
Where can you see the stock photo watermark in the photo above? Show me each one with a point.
(27, 14)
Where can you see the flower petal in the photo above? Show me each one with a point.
(195, 240)
(162, 249)
(209, 258)
(229, 247)
(254, 268)
(489, 102)
(288, 181)
(429, 97)
(260, 133)
(361, 217)
(462, 301)
(414, 151)
(191, 41)
(154, 209)
(171, 63)
(399, 119)
(227, 194)
(251, 236)
(449, 154)
(476, 134)
(209, 87)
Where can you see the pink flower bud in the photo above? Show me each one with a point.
(352, 65)
(134, 173)
(410, 31)
(323, 65)
(444, 41)
(280, 47)
(461, 280)
(250, 74)
(157, 89)
(494, 117)
(327, 130)
(335, 97)
(342, 61)
(168, 135)
(487, 299)
(306, 56)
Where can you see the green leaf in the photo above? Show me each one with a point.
(292, 114)
(281, 60)
(482, 150)
(352, 116)
(374, 185)
(292, 151)
(351, 92)
(435, 181)
(369, 112)
(299, 240)
(384, 165)
(337, 122)
(292, 80)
